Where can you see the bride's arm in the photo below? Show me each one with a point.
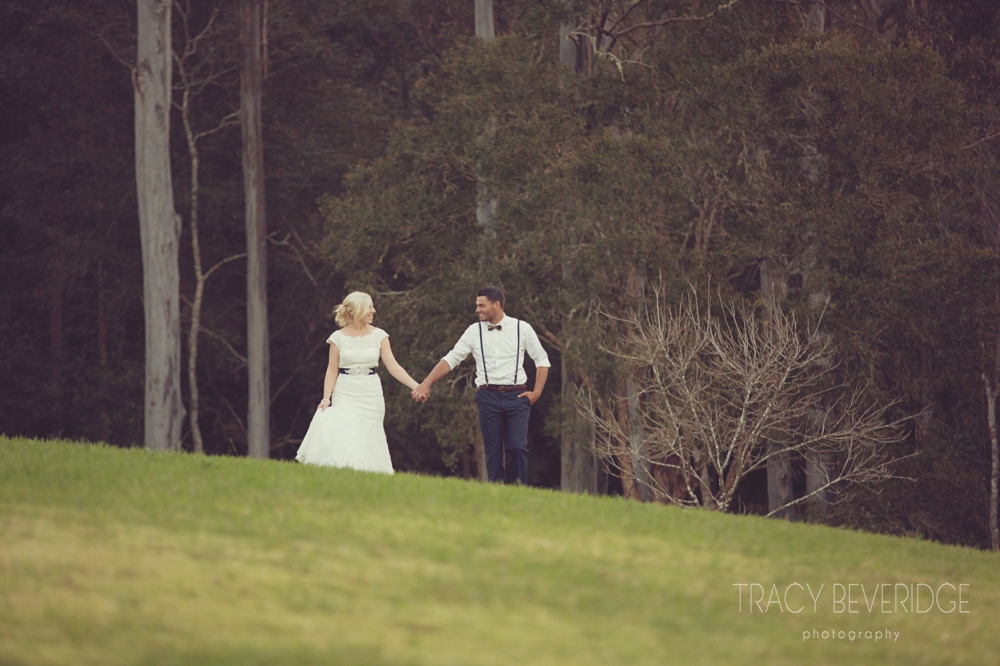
(394, 368)
(332, 371)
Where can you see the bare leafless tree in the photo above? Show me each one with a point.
(623, 30)
(723, 393)
(197, 68)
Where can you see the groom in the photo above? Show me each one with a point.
(498, 343)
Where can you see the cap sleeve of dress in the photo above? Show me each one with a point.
(382, 335)
(334, 339)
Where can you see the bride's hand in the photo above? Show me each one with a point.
(324, 403)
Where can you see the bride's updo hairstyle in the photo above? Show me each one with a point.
(354, 307)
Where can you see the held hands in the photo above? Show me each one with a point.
(421, 393)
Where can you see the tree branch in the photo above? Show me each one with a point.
(225, 261)
(852, 22)
(242, 359)
(988, 137)
(676, 19)
(227, 121)
(111, 49)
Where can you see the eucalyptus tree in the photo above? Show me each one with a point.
(159, 225)
(580, 469)
(252, 63)
(486, 201)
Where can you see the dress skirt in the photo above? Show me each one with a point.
(349, 433)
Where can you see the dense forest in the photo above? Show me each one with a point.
(690, 202)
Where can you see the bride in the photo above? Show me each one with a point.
(346, 430)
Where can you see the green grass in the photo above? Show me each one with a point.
(112, 556)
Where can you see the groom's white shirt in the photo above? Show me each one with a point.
(501, 351)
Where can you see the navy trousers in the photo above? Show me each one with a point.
(503, 420)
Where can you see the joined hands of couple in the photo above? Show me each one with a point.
(422, 393)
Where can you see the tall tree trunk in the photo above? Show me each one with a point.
(774, 287)
(814, 17)
(570, 53)
(484, 19)
(992, 392)
(486, 204)
(817, 476)
(579, 470)
(991, 415)
(199, 278)
(258, 362)
(159, 226)
(579, 466)
(637, 435)
(637, 439)
(819, 466)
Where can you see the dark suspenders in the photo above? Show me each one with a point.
(517, 353)
(482, 352)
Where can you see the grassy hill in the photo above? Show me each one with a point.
(111, 556)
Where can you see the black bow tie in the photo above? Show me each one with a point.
(490, 327)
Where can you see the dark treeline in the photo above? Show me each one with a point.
(836, 160)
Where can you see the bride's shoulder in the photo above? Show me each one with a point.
(379, 333)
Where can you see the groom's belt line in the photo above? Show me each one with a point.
(503, 388)
(355, 372)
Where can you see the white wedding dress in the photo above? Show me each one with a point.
(349, 432)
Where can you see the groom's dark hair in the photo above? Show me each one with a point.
(495, 294)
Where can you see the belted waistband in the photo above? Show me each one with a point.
(357, 372)
(503, 388)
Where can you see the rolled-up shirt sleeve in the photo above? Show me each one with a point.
(460, 352)
(535, 349)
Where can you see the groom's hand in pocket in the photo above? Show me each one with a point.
(531, 395)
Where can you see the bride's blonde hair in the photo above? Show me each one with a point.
(354, 307)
